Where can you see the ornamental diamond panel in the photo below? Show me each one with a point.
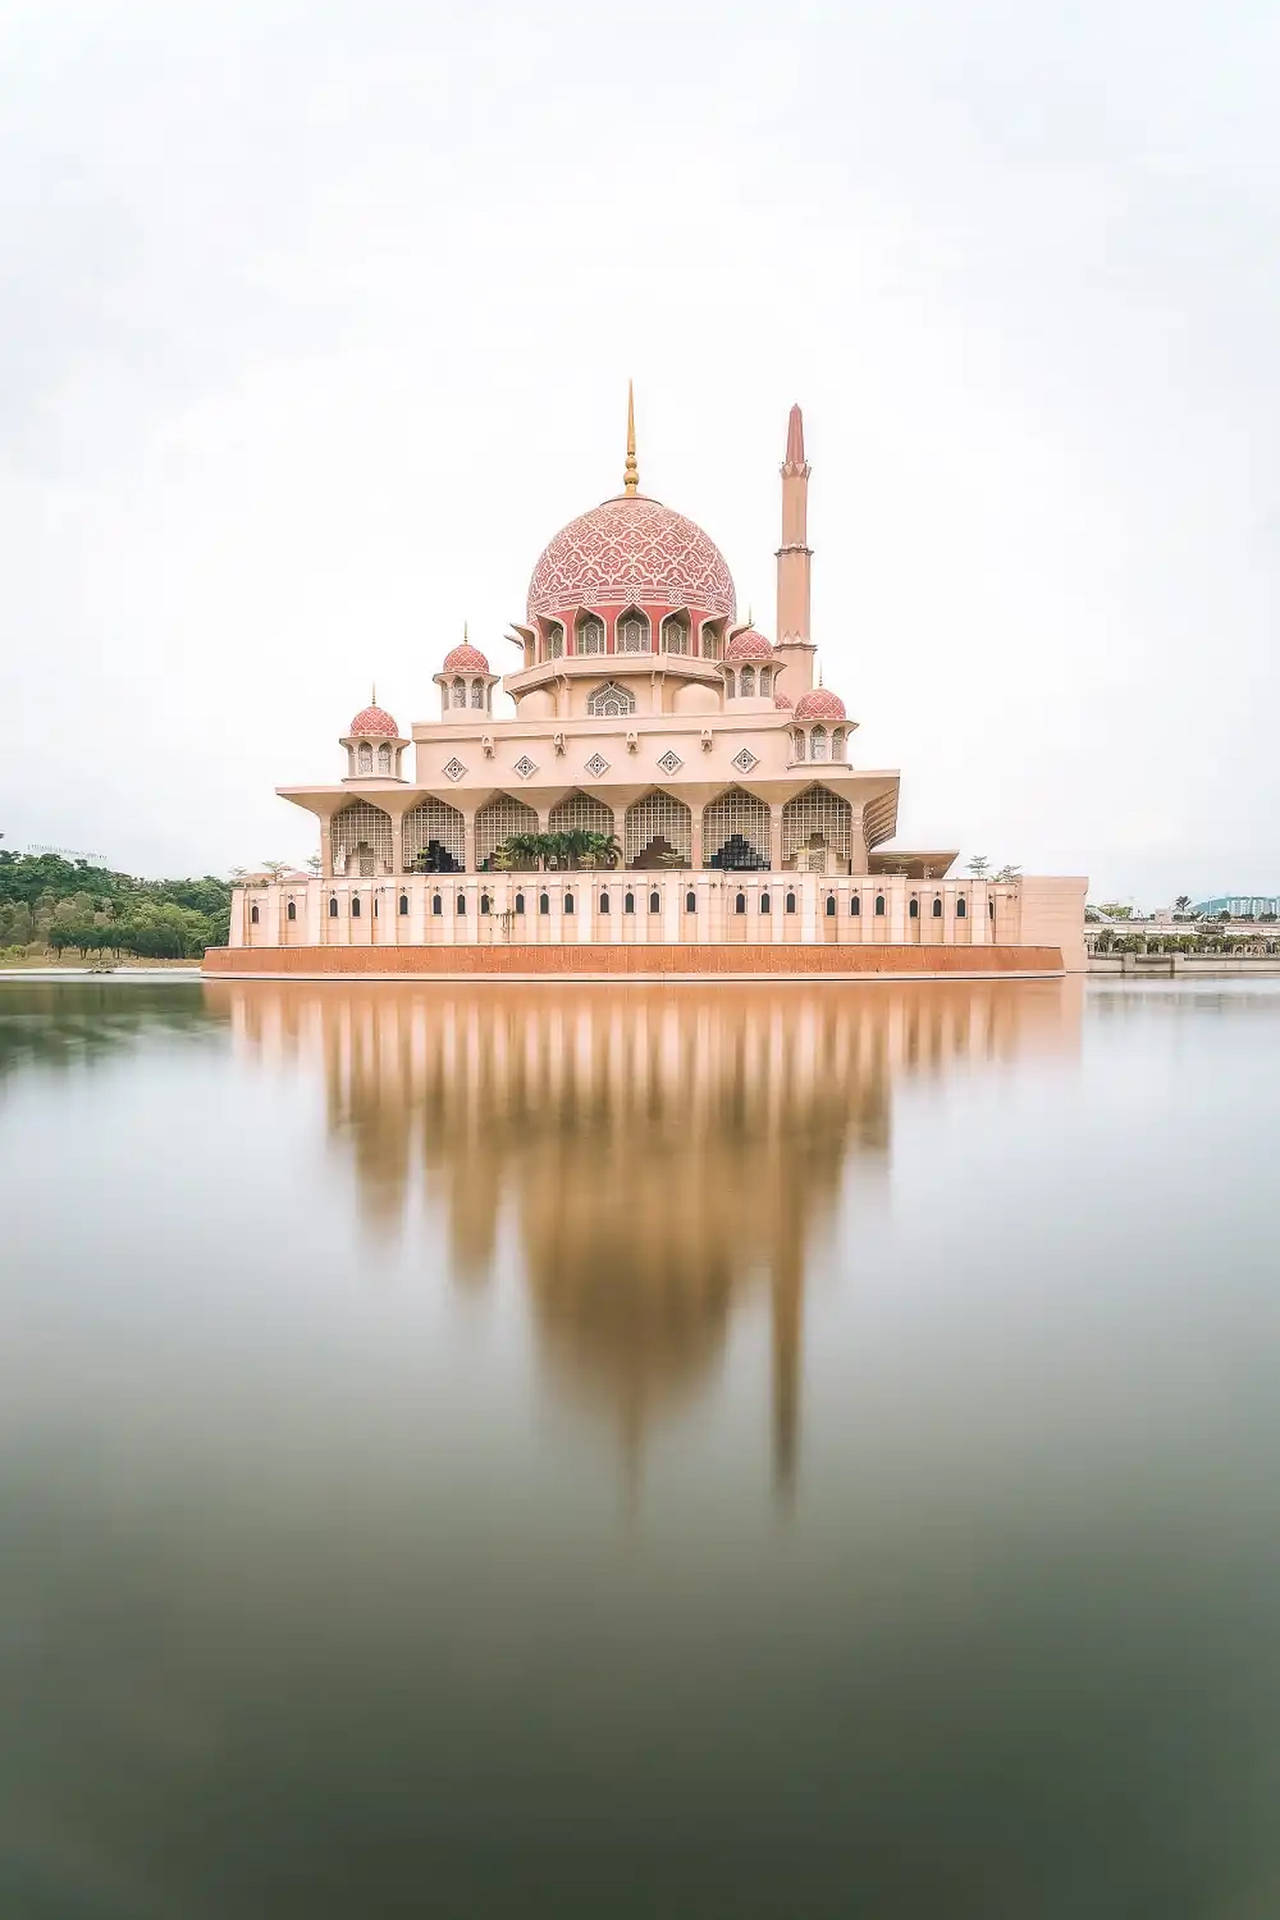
(745, 760)
(454, 769)
(525, 766)
(670, 762)
(597, 766)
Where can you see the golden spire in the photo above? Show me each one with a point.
(464, 633)
(631, 473)
(373, 693)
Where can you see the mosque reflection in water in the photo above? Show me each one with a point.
(665, 1153)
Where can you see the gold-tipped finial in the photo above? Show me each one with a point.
(631, 473)
(464, 633)
(373, 693)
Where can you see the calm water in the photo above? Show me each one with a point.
(753, 1451)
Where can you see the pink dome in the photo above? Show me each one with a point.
(820, 704)
(465, 659)
(784, 701)
(748, 645)
(629, 549)
(374, 721)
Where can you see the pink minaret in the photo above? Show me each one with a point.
(794, 555)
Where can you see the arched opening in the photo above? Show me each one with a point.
(361, 839)
(831, 906)
(655, 903)
(555, 641)
(766, 904)
(253, 916)
(519, 903)
(797, 745)
(815, 825)
(581, 813)
(633, 631)
(364, 757)
(477, 694)
(333, 907)
(712, 640)
(855, 905)
(740, 903)
(610, 702)
(355, 906)
(404, 903)
(484, 903)
(461, 904)
(459, 692)
(766, 680)
(937, 909)
(432, 838)
(790, 905)
(691, 903)
(498, 821)
(730, 684)
(747, 683)
(544, 903)
(588, 634)
(735, 832)
(568, 903)
(819, 745)
(437, 904)
(628, 903)
(384, 758)
(962, 910)
(658, 832)
(675, 633)
(604, 903)
(913, 910)
(991, 909)
(879, 903)
(838, 743)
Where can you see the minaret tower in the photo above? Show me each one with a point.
(794, 646)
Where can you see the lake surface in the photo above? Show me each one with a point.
(766, 1451)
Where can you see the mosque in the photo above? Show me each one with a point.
(674, 794)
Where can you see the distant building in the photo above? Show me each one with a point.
(1240, 904)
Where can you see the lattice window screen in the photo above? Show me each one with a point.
(361, 824)
(497, 820)
(675, 634)
(633, 633)
(741, 818)
(581, 810)
(610, 702)
(817, 818)
(658, 817)
(432, 820)
(590, 635)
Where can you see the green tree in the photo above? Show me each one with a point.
(979, 866)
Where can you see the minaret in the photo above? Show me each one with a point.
(795, 648)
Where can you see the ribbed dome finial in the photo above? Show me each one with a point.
(631, 472)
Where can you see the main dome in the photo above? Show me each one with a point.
(629, 549)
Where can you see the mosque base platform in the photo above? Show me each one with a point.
(647, 962)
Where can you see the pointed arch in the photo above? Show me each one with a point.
(361, 838)
(633, 632)
(676, 633)
(580, 812)
(656, 827)
(588, 633)
(610, 702)
(815, 822)
(735, 832)
(432, 838)
(497, 821)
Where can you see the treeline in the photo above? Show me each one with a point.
(52, 905)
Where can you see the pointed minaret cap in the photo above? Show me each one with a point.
(631, 473)
(795, 438)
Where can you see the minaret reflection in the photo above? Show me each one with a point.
(666, 1154)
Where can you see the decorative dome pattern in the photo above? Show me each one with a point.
(784, 701)
(820, 704)
(748, 645)
(465, 659)
(374, 723)
(631, 549)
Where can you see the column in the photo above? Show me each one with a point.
(469, 841)
(775, 839)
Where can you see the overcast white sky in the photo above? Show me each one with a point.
(317, 321)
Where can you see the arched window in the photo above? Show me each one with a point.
(477, 694)
(404, 903)
(432, 839)
(333, 907)
(628, 903)
(831, 905)
(712, 641)
(519, 903)
(766, 904)
(604, 903)
(459, 692)
(837, 743)
(797, 745)
(588, 635)
(384, 758)
(879, 903)
(730, 685)
(962, 910)
(291, 911)
(791, 903)
(675, 633)
(461, 903)
(355, 906)
(937, 909)
(364, 757)
(610, 701)
(437, 904)
(691, 903)
(253, 916)
(913, 910)
(581, 812)
(766, 680)
(544, 903)
(655, 903)
(740, 903)
(735, 832)
(657, 829)
(568, 903)
(555, 642)
(484, 903)
(747, 683)
(816, 822)
(991, 909)
(361, 835)
(818, 743)
(633, 632)
(498, 821)
(855, 904)
(375, 906)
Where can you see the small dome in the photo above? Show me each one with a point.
(465, 659)
(375, 721)
(749, 645)
(784, 701)
(820, 704)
